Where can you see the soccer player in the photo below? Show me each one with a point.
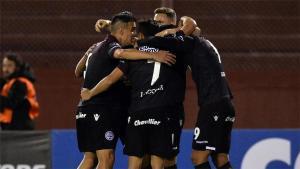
(97, 119)
(166, 17)
(163, 16)
(212, 133)
(154, 123)
(216, 116)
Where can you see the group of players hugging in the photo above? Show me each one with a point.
(134, 87)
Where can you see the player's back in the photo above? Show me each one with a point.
(208, 72)
(175, 75)
(147, 84)
(154, 84)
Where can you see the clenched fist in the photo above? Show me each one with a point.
(102, 25)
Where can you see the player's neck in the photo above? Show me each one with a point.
(118, 37)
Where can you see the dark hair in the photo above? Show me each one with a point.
(15, 58)
(124, 17)
(168, 11)
(147, 28)
(24, 69)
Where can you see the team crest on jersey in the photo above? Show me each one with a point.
(109, 135)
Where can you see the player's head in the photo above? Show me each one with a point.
(146, 28)
(11, 63)
(123, 27)
(165, 16)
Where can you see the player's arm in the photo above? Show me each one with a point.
(80, 67)
(175, 44)
(186, 24)
(133, 54)
(115, 51)
(103, 85)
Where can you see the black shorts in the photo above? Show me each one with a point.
(213, 127)
(153, 132)
(123, 118)
(98, 127)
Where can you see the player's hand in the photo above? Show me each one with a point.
(85, 94)
(102, 25)
(197, 32)
(166, 32)
(164, 57)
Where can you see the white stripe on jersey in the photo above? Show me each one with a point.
(215, 49)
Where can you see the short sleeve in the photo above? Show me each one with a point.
(123, 66)
(112, 47)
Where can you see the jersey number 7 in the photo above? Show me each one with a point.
(156, 71)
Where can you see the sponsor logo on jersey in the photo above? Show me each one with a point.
(146, 122)
(152, 91)
(80, 115)
(210, 148)
(232, 119)
(148, 49)
(202, 142)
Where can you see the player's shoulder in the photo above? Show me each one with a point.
(108, 45)
(199, 38)
(110, 41)
(98, 45)
(149, 40)
(202, 41)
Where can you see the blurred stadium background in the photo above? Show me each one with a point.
(259, 41)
